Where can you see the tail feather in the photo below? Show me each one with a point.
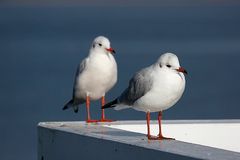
(69, 105)
(120, 107)
(110, 104)
(75, 109)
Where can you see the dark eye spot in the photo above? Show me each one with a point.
(160, 65)
(169, 66)
(100, 44)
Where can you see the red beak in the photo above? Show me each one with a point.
(181, 69)
(110, 50)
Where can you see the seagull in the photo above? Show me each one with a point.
(154, 89)
(95, 76)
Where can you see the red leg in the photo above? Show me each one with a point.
(103, 119)
(160, 136)
(89, 120)
(148, 124)
(150, 137)
(103, 103)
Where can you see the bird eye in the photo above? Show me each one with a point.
(100, 44)
(169, 66)
(160, 65)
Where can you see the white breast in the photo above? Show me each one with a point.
(98, 78)
(166, 91)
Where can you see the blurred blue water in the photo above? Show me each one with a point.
(40, 48)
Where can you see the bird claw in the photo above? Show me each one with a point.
(91, 121)
(159, 137)
(105, 120)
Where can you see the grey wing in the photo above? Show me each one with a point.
(80, 69)
(139, 85)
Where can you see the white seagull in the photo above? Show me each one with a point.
(95, 76)
(154, 89)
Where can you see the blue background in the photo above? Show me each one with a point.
(41, 46)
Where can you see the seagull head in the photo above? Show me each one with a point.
(102, 44)
(170, 61)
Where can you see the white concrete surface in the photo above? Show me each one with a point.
(108, 141)
(218, 135)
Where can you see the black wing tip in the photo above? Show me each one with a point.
(68, 105)
(65, 107)
(110, 104)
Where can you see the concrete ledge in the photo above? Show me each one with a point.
(78, 140)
